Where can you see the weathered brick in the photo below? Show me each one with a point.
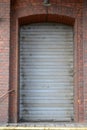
(4, 57)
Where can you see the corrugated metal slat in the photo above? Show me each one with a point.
(46, 72)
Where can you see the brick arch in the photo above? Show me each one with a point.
(46, 18)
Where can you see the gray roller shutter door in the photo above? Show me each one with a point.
(46, 72)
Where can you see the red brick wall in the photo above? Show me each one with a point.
(4, 57)
(85, 56)
(65, 11)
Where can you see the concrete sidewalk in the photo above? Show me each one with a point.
(41, 128)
